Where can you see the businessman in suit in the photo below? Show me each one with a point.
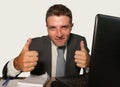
(39, 54)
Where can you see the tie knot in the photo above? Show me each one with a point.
(61, 49)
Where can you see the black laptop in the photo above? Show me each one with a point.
(105, 53)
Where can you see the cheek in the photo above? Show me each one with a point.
(67, 34)
(51, 34)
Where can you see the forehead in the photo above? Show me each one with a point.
(58, 20)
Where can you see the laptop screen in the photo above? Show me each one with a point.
(105, 53)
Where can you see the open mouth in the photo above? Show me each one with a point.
(59, 39)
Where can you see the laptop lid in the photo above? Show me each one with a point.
(105, 53)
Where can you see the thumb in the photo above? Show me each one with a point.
(26, 47)
(82, 46)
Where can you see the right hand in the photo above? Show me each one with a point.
(27, 60)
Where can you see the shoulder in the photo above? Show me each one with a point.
(40, 42)
(75, 40)
(76, 37)
(42, 38)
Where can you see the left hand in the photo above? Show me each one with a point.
(82, 58)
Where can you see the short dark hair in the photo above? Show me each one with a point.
(58, 10)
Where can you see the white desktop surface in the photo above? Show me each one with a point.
(11, 83)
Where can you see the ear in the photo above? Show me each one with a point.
(72, 24)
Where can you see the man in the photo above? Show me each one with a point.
(39, 55)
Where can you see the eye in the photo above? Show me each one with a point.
(65, 27)
(52, 28)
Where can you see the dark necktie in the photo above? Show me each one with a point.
(60, 65)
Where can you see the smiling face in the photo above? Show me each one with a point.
(59, 28)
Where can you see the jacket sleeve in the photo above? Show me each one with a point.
(5, 71)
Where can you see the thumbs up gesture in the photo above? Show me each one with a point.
(27, 60)
(82, 58)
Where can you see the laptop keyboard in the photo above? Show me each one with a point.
(77, 82)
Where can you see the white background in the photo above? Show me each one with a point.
(21, 19)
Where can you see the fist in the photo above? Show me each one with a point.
(82, 57)
(27, 60)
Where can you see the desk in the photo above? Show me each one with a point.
(13, 83)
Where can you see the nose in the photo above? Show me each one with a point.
(59, 32)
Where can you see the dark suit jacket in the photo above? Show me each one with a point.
(43, 46)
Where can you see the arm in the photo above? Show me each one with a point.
(9, 70)
(24, 62)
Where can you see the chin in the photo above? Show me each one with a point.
(59, 45)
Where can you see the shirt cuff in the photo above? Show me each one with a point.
(86, 70)
(11, 69)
